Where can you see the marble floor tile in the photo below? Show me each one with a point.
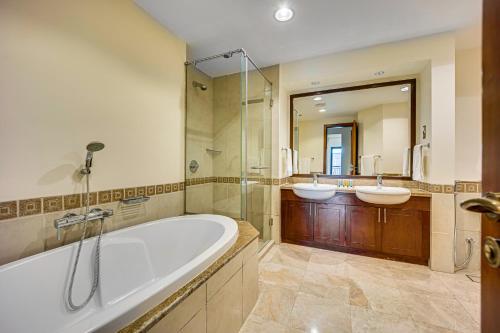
(312, 290)
(275, 303)
(364, 320)
(281, 275)
(441, 312)
(257, 324)
(317, 314)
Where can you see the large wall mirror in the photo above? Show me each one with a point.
(364, 130)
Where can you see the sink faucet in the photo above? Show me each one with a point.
(379, 181)
(315, 177)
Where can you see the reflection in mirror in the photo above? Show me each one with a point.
(366, 130)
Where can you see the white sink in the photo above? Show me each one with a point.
(383, 195)
(315, 192)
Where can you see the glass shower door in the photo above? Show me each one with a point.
(257, 146)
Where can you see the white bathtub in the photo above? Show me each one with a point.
(140, 266)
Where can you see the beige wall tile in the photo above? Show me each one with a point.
(442, 213)
(219, 279)
(250, 284)
(249, 251)
(467, 220)
(20, 238)
(198, 324)
(442, 252)
(183, 313)
(224, 309)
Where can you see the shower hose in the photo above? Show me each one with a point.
(95, 279)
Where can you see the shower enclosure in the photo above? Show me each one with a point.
(228, 139)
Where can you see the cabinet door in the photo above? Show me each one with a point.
(402, 232)
(363, 227)
(298, 221)
(329, 224)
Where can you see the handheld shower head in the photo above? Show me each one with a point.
(91, 149)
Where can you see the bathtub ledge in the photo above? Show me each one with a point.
(246, 234)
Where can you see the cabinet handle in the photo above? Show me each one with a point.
(385, 215)
(378, 215)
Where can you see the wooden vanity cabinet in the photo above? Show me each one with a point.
(363, 230)
(345, 223)
(299, 225)
(329, 224)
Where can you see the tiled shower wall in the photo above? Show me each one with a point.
(214, 122)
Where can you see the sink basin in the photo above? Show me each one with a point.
(315, 192)
(383, 195)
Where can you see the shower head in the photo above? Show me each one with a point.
(95, 146)
(200, 85)
(91, 149)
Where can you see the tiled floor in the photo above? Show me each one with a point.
(316, 291)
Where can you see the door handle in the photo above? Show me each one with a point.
(378, 215)
(491, 250)
(489, 204)
(385, 215)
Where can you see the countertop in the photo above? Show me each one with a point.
(246, 234)
(415, 192)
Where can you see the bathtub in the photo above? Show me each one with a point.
(140, 267)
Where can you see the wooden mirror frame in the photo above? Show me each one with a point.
(354, 143)
(413, 114)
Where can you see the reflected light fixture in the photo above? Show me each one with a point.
(283, 14)
(317, 98)
(322, 110)
(405, 88)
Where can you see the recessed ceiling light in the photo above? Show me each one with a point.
(322, 110)
(317, 98)
(379, 73)
(405, 88)
(283, 14)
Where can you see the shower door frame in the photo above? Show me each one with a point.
(244, 120)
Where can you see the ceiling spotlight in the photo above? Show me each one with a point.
(322, 110)
(405, 88)
(283, 14)
(317, 98)
(379, 73)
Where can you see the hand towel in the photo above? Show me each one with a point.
(418, 165)
(406, 162)
(289, 162)
(305, 166)
(367, 165)
(295, 161)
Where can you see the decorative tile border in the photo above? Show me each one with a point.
(467, 187)
(26, 207)
(459, 187)
(236, 180)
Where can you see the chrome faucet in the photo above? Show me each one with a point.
(379, 181)
(72, 219)
(315, 177)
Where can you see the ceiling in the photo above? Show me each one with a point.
(346, 104)
(319, 26)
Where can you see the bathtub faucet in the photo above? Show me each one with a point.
(71, 219)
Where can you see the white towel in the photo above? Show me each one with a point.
(418, 165)
(289, 163)
(295, 161)
(367, 165)
(305, 166)
(406, 162)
